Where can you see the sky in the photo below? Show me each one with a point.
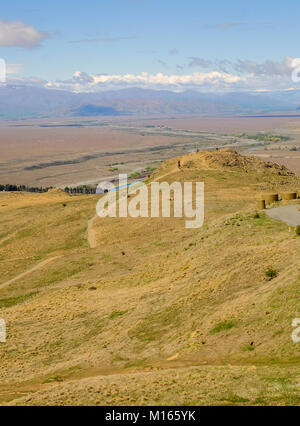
(158, 44)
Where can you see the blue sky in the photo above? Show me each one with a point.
(53, 40)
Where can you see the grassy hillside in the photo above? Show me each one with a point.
(156, 313)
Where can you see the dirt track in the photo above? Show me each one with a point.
(91, 233)
(35, 268)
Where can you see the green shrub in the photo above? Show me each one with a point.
(117, 314)
(298, 230)
(223, 326)
(271, 273)
(249, 348)
(135, 175)
(17, 300)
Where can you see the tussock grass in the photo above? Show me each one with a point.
(177, 299)
(223, 326)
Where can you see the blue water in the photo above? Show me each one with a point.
(125, 186)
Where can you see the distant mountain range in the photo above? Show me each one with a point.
(19, 102)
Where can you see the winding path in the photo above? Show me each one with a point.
(91, 233)
(35, 268)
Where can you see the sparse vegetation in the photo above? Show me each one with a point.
(263, 137)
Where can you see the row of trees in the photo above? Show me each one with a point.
(23, 188)
(82, 189)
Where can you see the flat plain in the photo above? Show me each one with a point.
(73, 152)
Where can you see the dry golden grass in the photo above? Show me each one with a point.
(209, 385)
(156, 313)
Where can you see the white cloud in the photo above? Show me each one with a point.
(83, 82)
(271, 68)
(20, 35)
(223, 77)
(199, 62)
